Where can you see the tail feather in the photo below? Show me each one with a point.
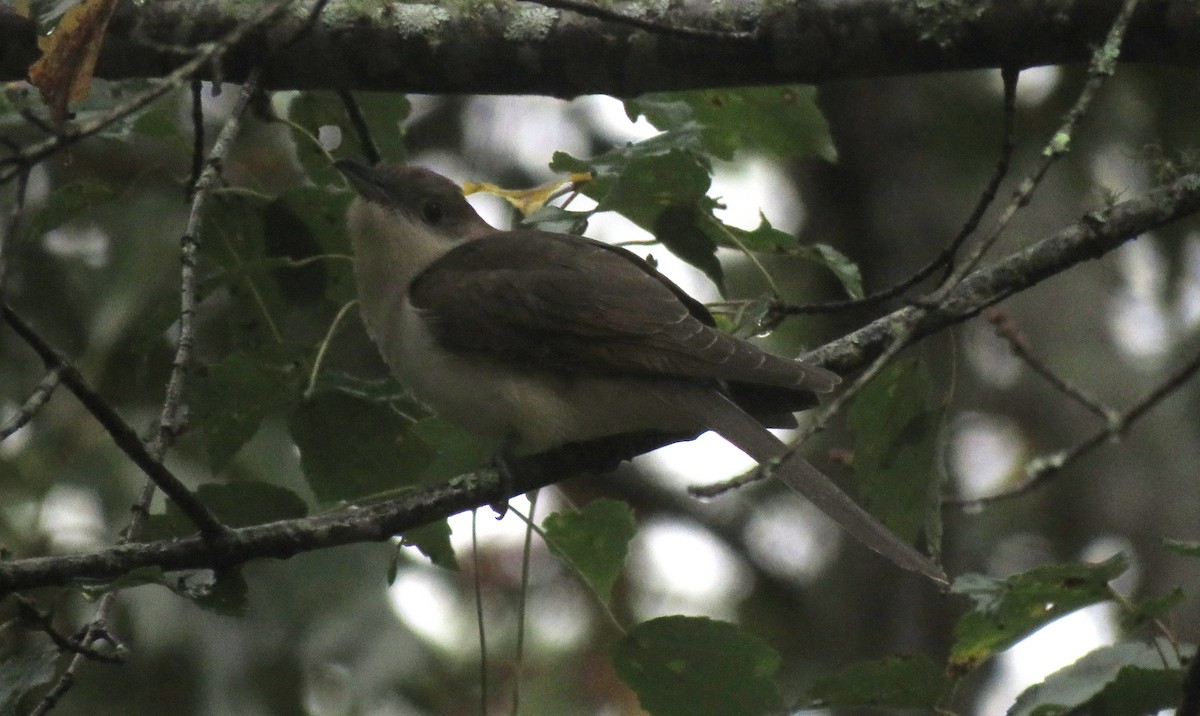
(724, 417)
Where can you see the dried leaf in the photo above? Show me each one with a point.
(69, 54)
(526, 201)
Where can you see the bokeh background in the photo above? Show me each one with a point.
(326, 634)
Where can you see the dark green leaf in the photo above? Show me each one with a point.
(1138, 613)
(782, 121)
(30, 660)
(158, 123)
(1008, 610)
(694, 666)
(896, 423)
(68, 202)
(455, 450)
(1115, 680)
(661, 185)
(234, 396)
(385, 113)
(594, 540)
(433, 540)
(306, 223)
(1187, 548)
(311, 111)
(236, 504)
(842, 267)
(137, 578)
(226, 595)
(679, 228)
(912, 682)
(351, 448)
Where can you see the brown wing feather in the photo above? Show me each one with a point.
(570, 303)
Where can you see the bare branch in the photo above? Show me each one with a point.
(123, 435)
(1007, 329)
(1041, 470)
(34, 403)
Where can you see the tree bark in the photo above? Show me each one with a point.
(526, 48)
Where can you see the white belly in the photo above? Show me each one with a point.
(537, 409)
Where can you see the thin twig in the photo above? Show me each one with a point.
(320, 358)
(197, 135)
(12, 224)
(658, 28)
(189, 248)
(946, 257)
(477, 583)
(1007, 329)
(32, 615)
(1042, 469)
(366, 142)
(167, 422)
(1102, 66)
(123, 435)
(34, 403)
(523, 603)
(73, 133)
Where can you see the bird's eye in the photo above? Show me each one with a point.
(432, 211)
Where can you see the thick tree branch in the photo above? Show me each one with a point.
(513, 47)
(1091, 237)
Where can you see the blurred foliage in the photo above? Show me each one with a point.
(290, 413)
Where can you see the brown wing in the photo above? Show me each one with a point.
(573, 304)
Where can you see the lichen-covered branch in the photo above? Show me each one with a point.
(512, 47)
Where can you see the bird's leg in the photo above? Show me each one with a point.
(500, 460)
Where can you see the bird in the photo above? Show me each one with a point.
(538, 340)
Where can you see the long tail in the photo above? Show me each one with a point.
(723, 416)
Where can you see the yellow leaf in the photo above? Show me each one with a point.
(69, 54)
(527, 201)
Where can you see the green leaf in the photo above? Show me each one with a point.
(236, 504)
(694, 666)
(30, 660)
(234, 396)
(1008, 610)
(384, 114)
(782, 121)
(912, 682)
(1128, 678)
(896, 424)
(661, 185)
(1187, 548)
(311, 111)
(433, 540)
(351, 448)
(158, 122)
(594, 540)
(1138, 613)
(455, 450)
(226, 594)
(68, 202)
(302, 224)
(840, 264)
(680, 229)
